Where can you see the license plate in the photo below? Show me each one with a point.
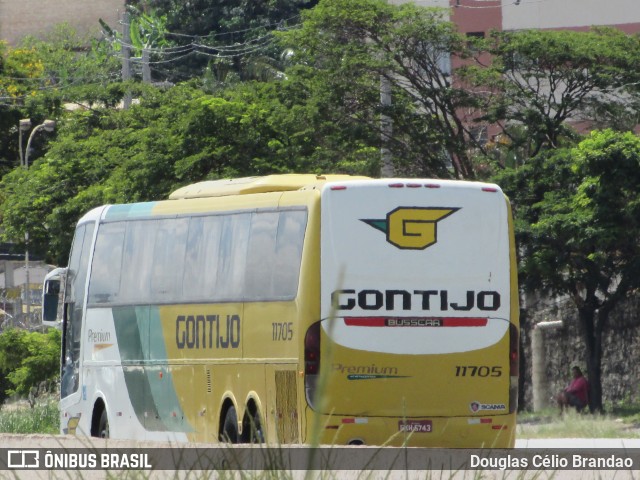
(415, 426)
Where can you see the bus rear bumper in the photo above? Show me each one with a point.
(496, 431)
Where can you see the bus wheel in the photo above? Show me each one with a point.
(103, 425)
(229, 432)
(252, 428)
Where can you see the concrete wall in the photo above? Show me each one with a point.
(564, 348)
(19, 18)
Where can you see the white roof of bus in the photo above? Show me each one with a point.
(92, 215)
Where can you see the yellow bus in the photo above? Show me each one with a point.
(294, 309)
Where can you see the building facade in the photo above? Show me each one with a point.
(473, 16)
(569, 14)
(19, 18)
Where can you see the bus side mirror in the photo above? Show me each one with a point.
(51, 295)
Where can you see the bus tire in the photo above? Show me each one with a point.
(103, 425)
(229, 432)
(252, 428)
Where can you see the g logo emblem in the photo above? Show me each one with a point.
(412, 228)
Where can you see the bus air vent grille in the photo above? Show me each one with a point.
(209, 381)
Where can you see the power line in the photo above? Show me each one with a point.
(168, 55)
(213, 34)
(8, 100)
(157, 62)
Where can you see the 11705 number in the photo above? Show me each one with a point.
(478, 371)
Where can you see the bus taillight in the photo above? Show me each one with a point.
(312, 350)
(311, 361)
(514, 367)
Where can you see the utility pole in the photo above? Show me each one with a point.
(126, 55)
(25, 124)
(146, 67)
(386, 129)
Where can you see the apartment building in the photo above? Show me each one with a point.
(568, 14)
(475, 16)
(19, 18)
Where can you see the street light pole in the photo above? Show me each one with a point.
(48, 126)
(24, 125)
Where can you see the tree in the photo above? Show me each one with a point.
(172, 137)
(578, 225)
(229, 35)
(39, 76)
(20, 76)
(230, 18)
(352, 44)
(27, 359)
(69, 60)
(91, 146)
(543, 80)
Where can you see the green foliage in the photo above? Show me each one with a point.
(147, 31)
(578, 217)
(344, 47)
(232, 19)
(39, 76)
(28, 358)
(43, 418)
(21, 70)
(224, 27)
(540, 79)
(578, 224)
(171, 138)
(69, 59)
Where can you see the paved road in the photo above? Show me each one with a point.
(579, 443)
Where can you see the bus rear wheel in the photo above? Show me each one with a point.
(252, 428)
(229, 432)
(103, 425)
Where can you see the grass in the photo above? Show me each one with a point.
(43, 418)
(619, 422)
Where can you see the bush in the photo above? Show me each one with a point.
(42, 418)
(28, 359)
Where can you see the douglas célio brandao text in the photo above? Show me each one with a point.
(551, 461)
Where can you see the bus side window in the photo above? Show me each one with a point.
(168, 259)
(137, 262)
(201, 257)
(261, 256)
(288, 254)
(274, 255)
(232, 257)
(74, 303)
(104, 286)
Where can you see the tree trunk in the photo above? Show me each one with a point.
(592, 334)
